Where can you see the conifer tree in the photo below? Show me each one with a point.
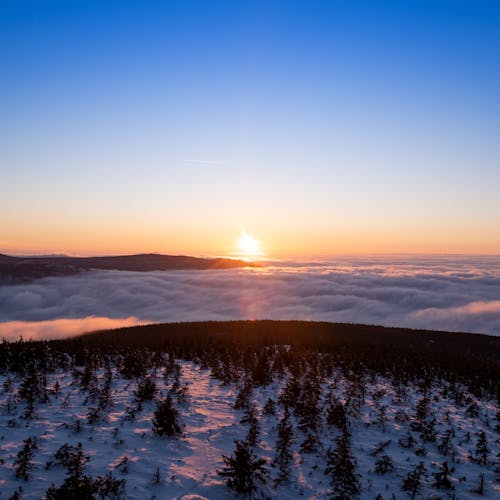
(384, 465)
(243, 397)
(251, 417)
(166, 418)
(482, 450)
(244, 470)
(421, 414)
(284, 443)
(270, 407)
(310, 444)
(413, 480)
(23, 462)
(290, 393)
(336, 414)
(445, 444)
(146, 389)
(442, 477)
(341, 466)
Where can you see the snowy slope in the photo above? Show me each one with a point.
(188, 464)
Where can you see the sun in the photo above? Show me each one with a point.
(248, 246)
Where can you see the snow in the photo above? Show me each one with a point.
(188, 464)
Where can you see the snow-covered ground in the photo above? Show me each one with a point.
(188, 464)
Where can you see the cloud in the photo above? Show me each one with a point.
(435, 293)
(60, 328)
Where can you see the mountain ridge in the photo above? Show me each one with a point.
(15, 270)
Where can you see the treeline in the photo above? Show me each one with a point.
(227, 347)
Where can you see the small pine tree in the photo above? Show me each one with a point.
(243, 470)
(157, 476)
(413, 480)
(310, 444)
(270, 407)
(384, 465)
(251, 417)
(243, 397)
(442, 477)
(341, 466)
(472, 411)
(77, 484)
(166, 418)
(482, 450)
(428, 431)
(109, 487)
(421, 414)
(445, 444)
(16, 495)
(407, 441)
(146, 389)
(284, 443)
(23, 462)
(290, 393)
(336, 414)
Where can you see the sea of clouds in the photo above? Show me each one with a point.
(443, 293)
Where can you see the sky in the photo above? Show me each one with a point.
(318, 127)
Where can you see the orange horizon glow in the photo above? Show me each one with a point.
(226, 243)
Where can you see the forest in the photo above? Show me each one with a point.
(262, 409)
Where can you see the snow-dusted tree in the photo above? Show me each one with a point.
(421, 414)
(157, 476)
(428, 430)
(110, 488)
(407, 441)
(445, 444)
(33, 386)
(341, 466)
(93, 415)
(308, 406)
(284, 443)
(290, 393)
(384, 465)
(76, 484)
(244, 395)
(17, 494)
(251, 417)
(310, 443)
(146, 390)
(166, 418)
(442, 477)
(23, 462)
(482, 450)
(243, 470)
(270, 407)
(413, 480)
(472, 410)
(336, 414)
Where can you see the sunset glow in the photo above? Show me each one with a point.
(329, 130)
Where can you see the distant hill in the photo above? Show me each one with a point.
(22, 269)
(379, 346)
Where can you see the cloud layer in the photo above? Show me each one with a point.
(439, 293)
(60, 328)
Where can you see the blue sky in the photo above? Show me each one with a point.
(320, 127)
